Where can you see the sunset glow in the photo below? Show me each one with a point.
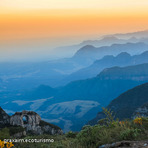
(29, 19)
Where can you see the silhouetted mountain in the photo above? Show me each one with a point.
(73, 105)
(29, 75)
(16, 76)
(138, 34)
(89, 53)
(40, 92)
(123, 59)
(68, 51)
(127, 103)
(107, 40)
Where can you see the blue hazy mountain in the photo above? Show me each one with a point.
(73, 105)
(138, 35)
(125, 105)
(54, 73)
(68, 51)
(28, 75)
(89, 53)
(123, 59)
(107, 40)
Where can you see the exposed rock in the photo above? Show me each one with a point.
(33, 123)
(29, 121)
(4, 118)
(50, 128)
(141, 111)
(127, 144)
(19, 135)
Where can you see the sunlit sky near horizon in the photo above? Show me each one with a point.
(70, 4)
(69, 21)
(29, 19)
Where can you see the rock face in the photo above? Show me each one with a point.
(141, 111)
(19, 134)
(32, 122)
(127, 144)
(4, 118)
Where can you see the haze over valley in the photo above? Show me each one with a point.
(70, 91)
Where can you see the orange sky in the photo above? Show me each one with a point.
(19, 21)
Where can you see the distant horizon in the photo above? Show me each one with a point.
(34, 28)
(40, 50)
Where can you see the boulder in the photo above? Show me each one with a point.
(32, 122)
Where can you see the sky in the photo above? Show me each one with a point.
(64, 22)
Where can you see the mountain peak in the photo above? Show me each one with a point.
(110, 38)
(123, 54)
(144, 53)
(87, 47)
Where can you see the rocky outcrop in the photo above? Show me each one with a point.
(127, 144)
(4, 118)
(29, 121)
(51, 129)
(141, 111)
(32, 122)
(19, 134)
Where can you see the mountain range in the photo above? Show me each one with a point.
(106, 40)
(91, 53)
(69, 92)
(56, 73)
(122, 59)
(69, 51)
(137, 34)
(73, 105)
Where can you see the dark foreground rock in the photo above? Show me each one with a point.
(127, 144)
(4, 118)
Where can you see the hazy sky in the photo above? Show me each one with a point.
(70, 4)
(70, 21)
(23, 19)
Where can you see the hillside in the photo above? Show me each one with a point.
(123, 59)
(127, 103)
(73, 105)
(16, 76)
(91, 53)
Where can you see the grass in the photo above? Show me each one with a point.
(107, 131)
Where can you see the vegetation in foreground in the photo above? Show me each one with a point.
(107, 131)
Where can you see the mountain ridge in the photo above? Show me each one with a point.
(126, 104)
(122, 59)
(90, 94)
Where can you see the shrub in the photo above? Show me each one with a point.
(130, 134)
(145, 123)
(71, 134)
(138, 121)
(15, 129)
(110, 130)
(4, 134)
